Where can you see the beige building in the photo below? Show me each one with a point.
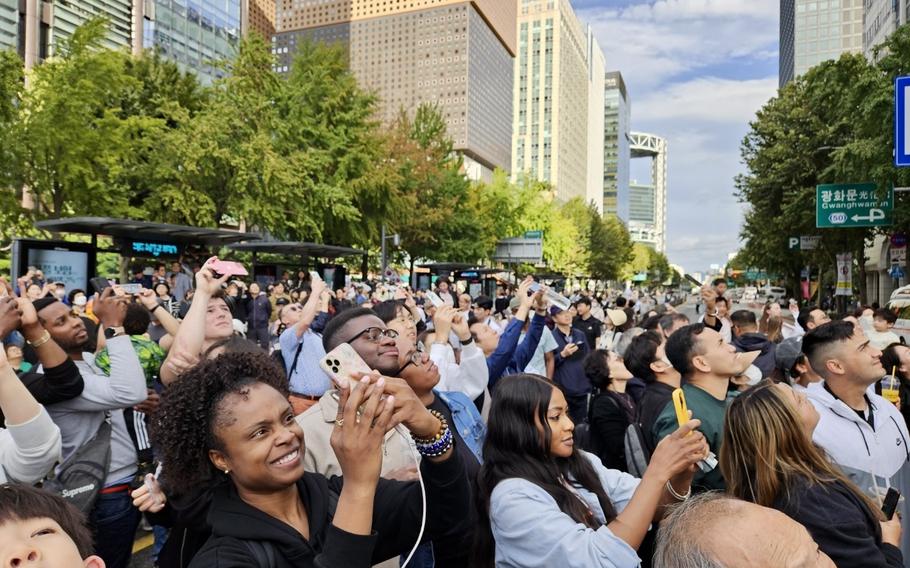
(454, 53)
(558, 101)
(824, 30)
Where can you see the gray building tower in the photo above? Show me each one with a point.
(787, 38)
(617, 153)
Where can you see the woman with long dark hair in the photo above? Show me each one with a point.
(544, 503)
(768, 458)
(612, 409)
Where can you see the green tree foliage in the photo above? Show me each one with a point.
(832, 125)
(69, 135)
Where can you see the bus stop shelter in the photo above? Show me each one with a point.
(308, 256)
(74, 263)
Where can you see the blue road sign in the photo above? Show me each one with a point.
(902, 121)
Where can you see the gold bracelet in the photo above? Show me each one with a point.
(45, 337)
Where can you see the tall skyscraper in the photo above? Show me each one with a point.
(455, 53)
(822, 30)
(786, 54)
(194, 34)
(559, 74)
(647, 220)
(617, 120)
(881, 18)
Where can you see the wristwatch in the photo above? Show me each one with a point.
(466, 342)
(111, 332)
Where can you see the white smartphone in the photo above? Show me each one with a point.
(340, 363)
(434, 299)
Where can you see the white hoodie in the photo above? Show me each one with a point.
(873, 459)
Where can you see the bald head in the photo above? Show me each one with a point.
(715, 531)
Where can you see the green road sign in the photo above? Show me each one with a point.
(533, 234)
(852, 205)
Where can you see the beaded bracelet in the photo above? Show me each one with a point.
(438, 444)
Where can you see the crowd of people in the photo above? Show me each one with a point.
(289, 424)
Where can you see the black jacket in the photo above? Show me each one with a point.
(609, 420)
(841, 524)
(396, 522)
(652, 403)
(53, 384)
(748, 342)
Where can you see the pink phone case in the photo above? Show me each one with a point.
(227, 267)
(341, 362)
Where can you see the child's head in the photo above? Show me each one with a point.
(38, 528)
(883, 319)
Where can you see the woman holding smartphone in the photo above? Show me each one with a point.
(227, 425)
(544, 503)
(768, 458)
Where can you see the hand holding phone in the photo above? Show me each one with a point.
(341, 363)
(226, 268)
(683, 417)
(99, 283)
(434, 299)
(889, 506)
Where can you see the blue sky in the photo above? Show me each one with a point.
(696, 71)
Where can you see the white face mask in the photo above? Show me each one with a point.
(79, 300)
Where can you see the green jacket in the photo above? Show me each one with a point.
(711, 413)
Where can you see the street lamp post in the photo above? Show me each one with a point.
(396, 240)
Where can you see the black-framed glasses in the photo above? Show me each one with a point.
(375, 334)
(415, 358)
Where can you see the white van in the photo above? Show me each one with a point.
(900, 305)
(774, 293)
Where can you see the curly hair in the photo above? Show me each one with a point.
(184, 426)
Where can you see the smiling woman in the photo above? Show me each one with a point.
(226, 426)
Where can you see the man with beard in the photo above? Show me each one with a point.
(113, 518)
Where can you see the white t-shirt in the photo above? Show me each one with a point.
(882, 339)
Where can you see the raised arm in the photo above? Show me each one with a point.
(187, 347)
(34, 444)
(167, 321)
(312, 306)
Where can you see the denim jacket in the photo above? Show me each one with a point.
(466, 420)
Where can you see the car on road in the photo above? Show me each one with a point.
(899, 303)
(750, 294)
(774, 293)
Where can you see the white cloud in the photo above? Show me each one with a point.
(652, 43)
(709, 99)
(697, 71)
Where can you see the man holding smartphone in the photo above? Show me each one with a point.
(571, 350)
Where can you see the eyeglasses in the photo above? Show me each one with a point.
(374, 334)
(415, 358)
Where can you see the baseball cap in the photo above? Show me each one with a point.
(554, 310)
(514, 303)
(788, 352)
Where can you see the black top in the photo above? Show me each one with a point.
(55, 384)
(591, 327)
(652, 403)
(397, 510)
(611, 414)
(841, 524)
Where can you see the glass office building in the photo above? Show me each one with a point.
(617, 153)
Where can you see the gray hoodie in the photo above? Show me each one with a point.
(80, 418)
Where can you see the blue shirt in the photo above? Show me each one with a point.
(569, 371)
(307, 377)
